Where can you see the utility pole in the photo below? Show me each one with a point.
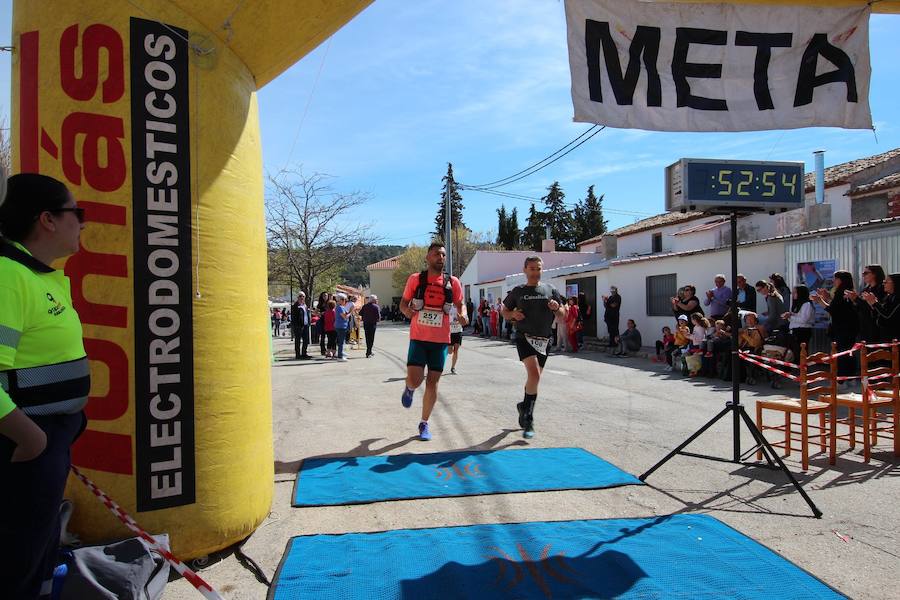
(448, 240)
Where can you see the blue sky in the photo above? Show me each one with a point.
(408, 86)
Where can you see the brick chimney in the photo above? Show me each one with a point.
(893, 204)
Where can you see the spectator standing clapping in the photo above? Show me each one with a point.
(873, 280)
(612, 304)
(844, 325)
(717, 299)
(887, 310)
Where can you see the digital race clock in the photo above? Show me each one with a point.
(710, 185)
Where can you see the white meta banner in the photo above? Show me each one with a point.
(718, 67)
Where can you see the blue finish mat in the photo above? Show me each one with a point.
(678, 556)
(358, 480)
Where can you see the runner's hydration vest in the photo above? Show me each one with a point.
(418, 300)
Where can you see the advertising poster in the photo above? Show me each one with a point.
(571, 290)
(815, 275)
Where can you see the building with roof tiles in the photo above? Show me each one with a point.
(649, 260)
(381, 280)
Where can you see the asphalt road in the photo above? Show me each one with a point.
(628, 411)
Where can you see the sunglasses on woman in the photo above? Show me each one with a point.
(79, 212)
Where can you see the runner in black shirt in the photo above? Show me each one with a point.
(532, 307)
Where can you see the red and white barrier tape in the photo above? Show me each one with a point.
(885, 345)
(884, 376)
(194, 579)
(853, 349)
(746, 358)
(769, 360)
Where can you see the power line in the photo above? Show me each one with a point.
(584, 133)
(532, 171)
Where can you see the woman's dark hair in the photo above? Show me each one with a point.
(895, 278)
(582, 300)
(802, 298)
(844, 280)
(323, 298)
(878, 272)
(777, 280)
(27, 196)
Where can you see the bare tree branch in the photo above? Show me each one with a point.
(309, 225)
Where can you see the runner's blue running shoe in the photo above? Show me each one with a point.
(407, 397)
(529, 429)
(424, 432)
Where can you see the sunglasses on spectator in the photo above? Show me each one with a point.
(867, 272)
(79, 212)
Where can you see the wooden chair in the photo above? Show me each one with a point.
(818, 387)
(879, 403)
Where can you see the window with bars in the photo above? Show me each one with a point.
(657, 242)
(660, 289)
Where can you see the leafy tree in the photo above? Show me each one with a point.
(411, 261)
(308, 225)
(589, 221)
(456, 205)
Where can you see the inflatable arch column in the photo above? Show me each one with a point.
(147, 110)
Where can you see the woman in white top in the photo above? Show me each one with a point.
(802, 316)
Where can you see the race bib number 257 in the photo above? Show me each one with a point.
(430, 318)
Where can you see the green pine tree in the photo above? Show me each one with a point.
(534, 229)
(502, 227)
(589, 221)
(562, 226)
(513, 233)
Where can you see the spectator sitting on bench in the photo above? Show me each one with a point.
(629, 340)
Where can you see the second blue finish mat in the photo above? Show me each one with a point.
(677, 556)
(358, 480)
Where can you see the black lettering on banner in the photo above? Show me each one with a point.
(163, 310)
(644, 43)
(808, 81)
(764, 43)
(682, 69)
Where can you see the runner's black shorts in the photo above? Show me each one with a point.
(456, 338)
(525, 350)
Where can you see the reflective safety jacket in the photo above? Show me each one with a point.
(43, 366)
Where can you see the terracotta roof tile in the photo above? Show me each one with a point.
(388, 263)
(840, 173)
(888, 181)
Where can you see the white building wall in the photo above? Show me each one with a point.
(708, 238)
(641, 243)
(756, 262)
(593, 247)
(837, 197)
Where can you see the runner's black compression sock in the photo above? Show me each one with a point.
(530, 399)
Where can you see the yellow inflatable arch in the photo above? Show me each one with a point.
(147, 110)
